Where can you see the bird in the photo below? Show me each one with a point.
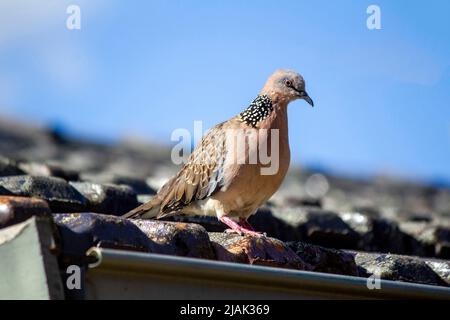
(219, 178)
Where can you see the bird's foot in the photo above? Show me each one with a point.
(243, 232)
(229, 230)
(236, 228)
(244, 223)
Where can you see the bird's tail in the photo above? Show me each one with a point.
(148, 210)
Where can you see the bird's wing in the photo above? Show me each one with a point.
(198, 179)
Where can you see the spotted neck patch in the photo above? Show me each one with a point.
(259, 109)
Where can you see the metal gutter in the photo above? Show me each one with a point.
(28, 266)
(119, 274)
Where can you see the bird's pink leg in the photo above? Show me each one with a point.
(237, 228)
(243, 222)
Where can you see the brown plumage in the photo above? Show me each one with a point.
(227, 178)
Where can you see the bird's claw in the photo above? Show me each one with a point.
(234, 231)
(247, 232)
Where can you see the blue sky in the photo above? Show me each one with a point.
(145, 68)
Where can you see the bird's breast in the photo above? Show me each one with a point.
(256, 164)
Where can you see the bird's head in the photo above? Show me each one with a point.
(286, 86)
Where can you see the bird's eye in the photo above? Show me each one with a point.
(288, 83)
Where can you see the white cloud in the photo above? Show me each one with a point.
(38, 28)
(19, 18)
(23, 18)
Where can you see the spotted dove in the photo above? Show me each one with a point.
(224, 180)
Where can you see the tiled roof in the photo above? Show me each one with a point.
(317, 222)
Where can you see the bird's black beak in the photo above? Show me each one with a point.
(304, 96)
